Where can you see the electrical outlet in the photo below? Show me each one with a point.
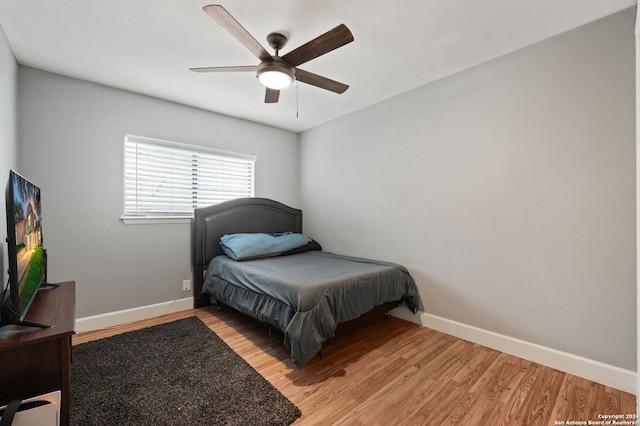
(186, 285)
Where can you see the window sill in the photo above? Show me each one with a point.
(157, 220)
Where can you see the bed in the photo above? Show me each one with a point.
(304, 292)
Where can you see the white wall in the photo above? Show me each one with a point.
(8, 142)
(71, 136)
(508, 190)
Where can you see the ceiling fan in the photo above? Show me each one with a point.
(276, 72)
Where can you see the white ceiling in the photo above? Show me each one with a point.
(148, 46)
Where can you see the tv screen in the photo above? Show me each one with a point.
(27, 259)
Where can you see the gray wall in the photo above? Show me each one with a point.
(508, 190)
(71, 137)
(8, 141)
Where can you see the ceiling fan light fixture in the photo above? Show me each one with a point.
(276, 75)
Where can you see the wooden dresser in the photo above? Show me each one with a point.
(34, 361)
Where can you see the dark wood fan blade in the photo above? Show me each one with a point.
(331, 40)
(229, 23)
(320, 81)
(271, 96)
(226, 69)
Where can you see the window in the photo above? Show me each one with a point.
(168, 180)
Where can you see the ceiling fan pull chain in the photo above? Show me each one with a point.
(297, 99)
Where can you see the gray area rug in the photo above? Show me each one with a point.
(179, 373)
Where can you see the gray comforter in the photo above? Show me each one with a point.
(306, 295)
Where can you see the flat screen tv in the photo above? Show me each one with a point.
(26, 255)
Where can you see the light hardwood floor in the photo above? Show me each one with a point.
(379, 371)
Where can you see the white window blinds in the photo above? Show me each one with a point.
(168, 179)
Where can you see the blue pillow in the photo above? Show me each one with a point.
(252, 246)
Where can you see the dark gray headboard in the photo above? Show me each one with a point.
(232, 217)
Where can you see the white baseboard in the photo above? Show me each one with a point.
(595, 371)
(110, 319)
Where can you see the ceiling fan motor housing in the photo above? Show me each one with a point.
(276, 74)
